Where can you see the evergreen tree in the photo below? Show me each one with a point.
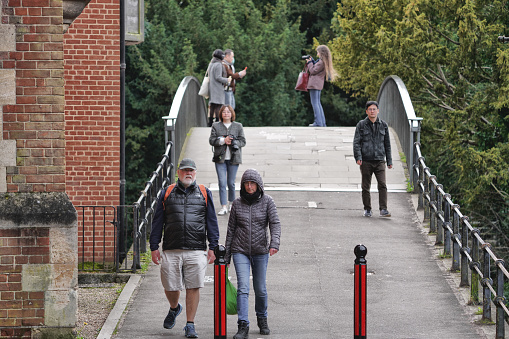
(180, 37)
(457, 75)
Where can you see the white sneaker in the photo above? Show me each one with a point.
(223, 211)
(229, 207)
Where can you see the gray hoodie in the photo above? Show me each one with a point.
(250, 223)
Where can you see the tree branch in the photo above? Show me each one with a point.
(446, 83)
(445, 36)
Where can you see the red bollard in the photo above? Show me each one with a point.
(220, 293)
(360, 289)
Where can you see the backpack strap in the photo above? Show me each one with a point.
(172, 186)
(168, 191)
(204, 193)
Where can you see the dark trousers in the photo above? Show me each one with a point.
(367, 170)
(214, 113)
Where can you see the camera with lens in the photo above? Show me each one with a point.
(234, 144)
(305, 57)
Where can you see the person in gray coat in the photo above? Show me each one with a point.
(253, 235)
(218, 79)
(227, 137)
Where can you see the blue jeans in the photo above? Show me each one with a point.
(226, 174)
(258, 264)
(229, 98)
(314, 95)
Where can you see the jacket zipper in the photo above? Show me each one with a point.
(250, 229)
(185, 219)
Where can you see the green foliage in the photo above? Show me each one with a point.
(458, 78)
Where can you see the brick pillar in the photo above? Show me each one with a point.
(38, 233)
(7, 97)
(38, 265)
(92, 115)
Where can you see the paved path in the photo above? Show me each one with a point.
(312, 177)
(295, 158)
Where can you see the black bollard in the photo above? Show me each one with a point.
(360, 290)
(220, 293)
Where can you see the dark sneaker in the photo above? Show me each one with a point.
(367, 213)
(189, 331)
(243, 332)
(385, 213)
(263, 325)
(169, 321)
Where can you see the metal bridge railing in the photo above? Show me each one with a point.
(106, 232)
(144, 208)
(188, 110)
(397, 110)
(470, 253)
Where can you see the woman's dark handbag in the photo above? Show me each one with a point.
(302, 81)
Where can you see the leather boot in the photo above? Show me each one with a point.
(211, 120)
(243, 332)
(263, 325)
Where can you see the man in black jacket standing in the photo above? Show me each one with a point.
(371, 149)
(185, 212)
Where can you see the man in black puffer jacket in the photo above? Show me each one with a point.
(248, 241)
(186, 213)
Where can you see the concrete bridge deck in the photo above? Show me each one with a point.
(311, 174)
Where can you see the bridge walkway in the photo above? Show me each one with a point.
(311, 174)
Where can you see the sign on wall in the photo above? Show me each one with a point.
(134, 22)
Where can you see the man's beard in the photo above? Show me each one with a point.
(187, 181)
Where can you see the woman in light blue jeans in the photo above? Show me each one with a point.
(226, 174)
(318, 71)
(248, 242)
(314, 95)
(227, 137)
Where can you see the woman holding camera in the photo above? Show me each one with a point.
(317, 71)
(227, 137)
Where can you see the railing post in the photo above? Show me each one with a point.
(121, 235)
(457, 236)
(427, 204)
(220, 293)
(476, 262)
(136, 240)
(360, 291)
(173, 162)
(500, 300)
(420, 182)
(141, 218)
(486, 300)
(432, 206)
(447, 224)
(440, 228)
(415, 137)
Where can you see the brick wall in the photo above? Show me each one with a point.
(35, 120)
(92, 117)
(20, 247)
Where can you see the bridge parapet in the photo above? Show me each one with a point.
(397, 110)
(188, 110)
